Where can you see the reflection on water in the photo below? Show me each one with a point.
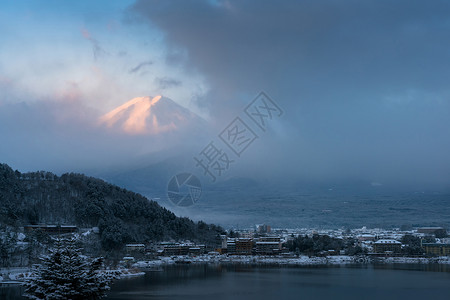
(11, 292)
(247, 282)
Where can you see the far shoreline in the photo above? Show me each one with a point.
(301, 261)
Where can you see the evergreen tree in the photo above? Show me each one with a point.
(67, 274)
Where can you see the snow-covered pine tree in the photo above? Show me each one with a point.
(67, 274)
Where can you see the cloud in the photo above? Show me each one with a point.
(4, 81)
(344, 46)
(363, 83)
(343, 72)
(141, 65)
(96, 49)
(167, 82)
(52, 92)
(62, 134)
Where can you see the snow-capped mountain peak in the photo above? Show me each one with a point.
(147, 115)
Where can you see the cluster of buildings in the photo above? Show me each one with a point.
(393, 247)
(438, 249)
(377, 242)
(260, 241)
(263, 240)
(166, 248)
(267, 245)
(383, 242)
(263, 245)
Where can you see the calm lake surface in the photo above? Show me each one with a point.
(246, 282)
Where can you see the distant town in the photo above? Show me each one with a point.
(263, 240)
(261, 244)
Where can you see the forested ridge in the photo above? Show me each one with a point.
(122, 216)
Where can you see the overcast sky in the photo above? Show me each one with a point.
(363, 84)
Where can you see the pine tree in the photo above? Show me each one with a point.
(67, 274)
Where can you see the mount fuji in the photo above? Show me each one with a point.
(150, 116)
(159, 137)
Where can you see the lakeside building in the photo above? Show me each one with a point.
(224, 240)
(224, 245)
(387, 246)
(268, 245)
(268, 248)
(263, 228)
(366, 237)
(172, 248)
(270, 238)
(436, 249)
(231, 246)
(195, 250)
(244, 246)
(181, 249)
(432, 230)
(134, 247)
(241, 246)
(51, 229)
(246, 235)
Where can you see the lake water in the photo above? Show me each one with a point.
(246, 282)
(330, 209)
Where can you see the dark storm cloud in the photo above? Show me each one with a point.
(348, 45)
(364, 83)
